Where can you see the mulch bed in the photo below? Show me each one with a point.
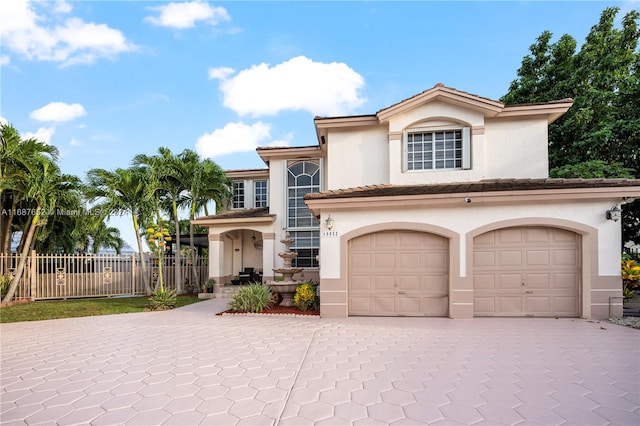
(276, 310)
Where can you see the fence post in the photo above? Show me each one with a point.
(133, 273)
(33, 275)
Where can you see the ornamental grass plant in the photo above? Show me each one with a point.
(252, 298)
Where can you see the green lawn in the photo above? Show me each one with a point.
(43, 310)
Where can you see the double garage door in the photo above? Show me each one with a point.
(521, 271)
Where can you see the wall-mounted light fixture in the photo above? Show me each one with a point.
(614, 214)
(329, 223)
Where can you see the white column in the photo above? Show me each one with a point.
(268, 253)
(216, 258)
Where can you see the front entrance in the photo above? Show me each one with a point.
(399, 273)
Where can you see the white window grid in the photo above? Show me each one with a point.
(435, 150)
(238, 195)
(261, 193)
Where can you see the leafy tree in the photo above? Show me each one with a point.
(603, 78)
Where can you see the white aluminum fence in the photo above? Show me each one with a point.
(50, 276)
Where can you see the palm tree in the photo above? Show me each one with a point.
(92, 230)
(16, 155)
(46, 186)
(124, 191)
(170, 174)
(205, 182)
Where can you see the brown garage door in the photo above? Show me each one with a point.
(527, 271)
(399, 273)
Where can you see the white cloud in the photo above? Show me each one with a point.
(3, 120)
(73, 41)
(4, 60)
(220, 73)
(233, 138)
(185, 15)
(62, 6)
(58, 112)
(297, 84)
(43, 134)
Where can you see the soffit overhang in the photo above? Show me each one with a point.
(390, 196)
(303, 152)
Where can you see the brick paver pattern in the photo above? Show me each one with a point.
(190, 367)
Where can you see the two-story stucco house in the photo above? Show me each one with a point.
(439, 205)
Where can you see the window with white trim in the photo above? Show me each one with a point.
(261, 193)
(238, 195)
(303, 177)
(448, 149)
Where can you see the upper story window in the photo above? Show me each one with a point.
(261, 193)
(238, 195)
(303, 177)
(448, 149)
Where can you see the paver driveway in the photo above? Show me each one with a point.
(189, 366)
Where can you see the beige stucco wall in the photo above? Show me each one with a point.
(600, 245)
(356, 158)
(516, 148)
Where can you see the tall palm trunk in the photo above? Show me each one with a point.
(143, 262)
(194, 269)
(23, 257)
(177, 254)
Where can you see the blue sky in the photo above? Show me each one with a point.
(106, 80)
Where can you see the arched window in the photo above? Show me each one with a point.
(303, 177)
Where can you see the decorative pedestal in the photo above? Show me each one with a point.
(286, 287)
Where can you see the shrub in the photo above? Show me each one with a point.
(5, 282)
(252, 298)
(305, 296)
(630, 278)
(162, 299)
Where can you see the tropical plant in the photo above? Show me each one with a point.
(305, 296)
(252, 298)
(158, 239)
(124, 191)
(170, 176)
(46, 186)
(5, 282)
(162, 299)
(630, 277)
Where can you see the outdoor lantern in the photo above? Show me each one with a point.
(614, 214)
(329, 223)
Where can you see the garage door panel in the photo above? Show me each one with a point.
(484, 282)
(509, 258)
(385, 260)
(538, 281)
(384, 239)
(361, 305)
(565, 257)
(361, 260)
(509, 236)
(484, 259)
(539, 305)
(566, 281)
(435, 262)
(535, 274)
(509, 282)
(384, 283)
(565, 305)
(509, 304)
(434, 285)
(384, 305)
(537, 235)
(398, 273)
(409, 260)
(361, 282)
(484, 305)
(409, 282)
(537, 257)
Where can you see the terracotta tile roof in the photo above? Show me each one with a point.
(388, 190)
(239, 214)
(265, 169)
